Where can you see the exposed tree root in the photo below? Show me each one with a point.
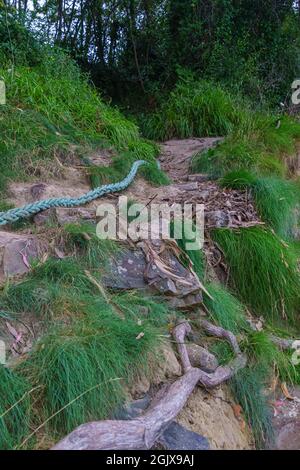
(283, 343)
(144, 431)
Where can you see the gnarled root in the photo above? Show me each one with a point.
(143, 432)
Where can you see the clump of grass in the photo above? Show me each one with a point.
(225, 309)
(61, 285)
(256, 143)
(96, 355)
(259, 347)
(93, 252)
(248, 389)
(194, 108)
(263, 271)
(275, 199)
(138, 307)
(95, 345)
(14, 408)
(238, 179)
(223, 351)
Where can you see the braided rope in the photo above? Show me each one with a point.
(13, 215)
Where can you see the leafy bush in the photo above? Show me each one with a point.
(17, 44)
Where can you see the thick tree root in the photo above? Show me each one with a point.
(144, 431)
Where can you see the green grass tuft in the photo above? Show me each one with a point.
(276, 201)
(225, 309)
(194, 108)
(263, 271)
(14, 408)
(248, 389)
(238, 179)
(121, 166)
(255, 144)
(97, 348)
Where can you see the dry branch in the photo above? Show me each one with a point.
(143, 432)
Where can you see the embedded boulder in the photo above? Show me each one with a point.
(16, 251)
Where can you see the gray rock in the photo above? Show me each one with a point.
(286, 422)
(130, 270)
(192, 186)
(15, 251)
(132, 410)
(127, 271)
(177, 437)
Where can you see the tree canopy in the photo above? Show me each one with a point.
(137, 47)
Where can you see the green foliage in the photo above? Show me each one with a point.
(248, 389)
(17, 45)
(14, 408)
(91, 350)
(93, 252)
(223, 351)
(96, 355)
(225, 309)
(259, 347)
(263, 271)
(194, 108)
(120, 167)
(238, 179)
(136, 306)
(275, 199)
(255, 144)
(61, 285)
(53, 111)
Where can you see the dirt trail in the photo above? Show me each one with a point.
(224, 208)
(176, 155)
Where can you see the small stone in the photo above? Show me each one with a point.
(14, 250)
(199, 177)
(132, 410)
(193, 186)
(177, 437)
